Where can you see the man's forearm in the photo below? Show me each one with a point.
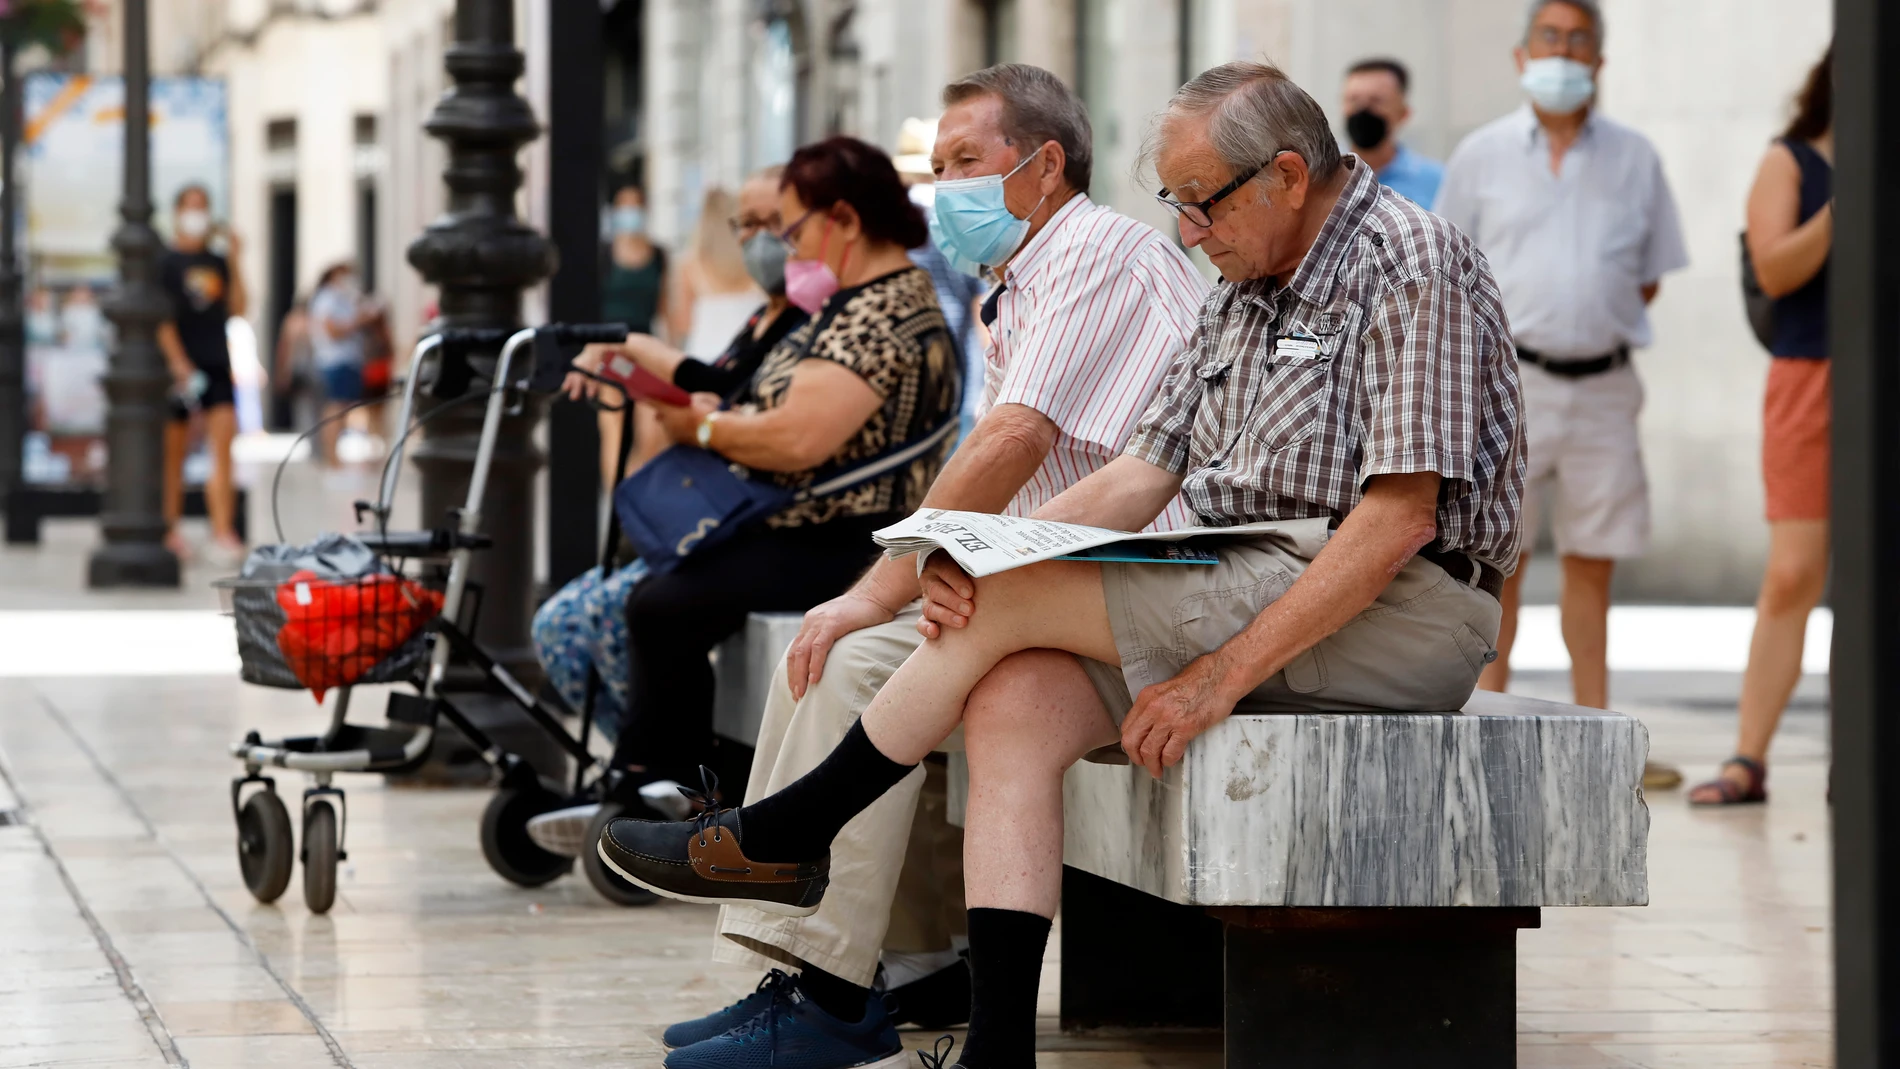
(1125, 495)
(1371, 546)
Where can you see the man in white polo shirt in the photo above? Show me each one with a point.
(1576, 217)
(1090, 312)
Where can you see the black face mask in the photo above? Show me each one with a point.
(1367, 128)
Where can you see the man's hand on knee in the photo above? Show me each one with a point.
(949, 596)
(822, 628)
(1170, 714)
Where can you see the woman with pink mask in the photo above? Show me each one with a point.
(873, 368)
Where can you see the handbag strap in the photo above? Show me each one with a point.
(878, 465)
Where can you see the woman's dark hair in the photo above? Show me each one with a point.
(846, 169)
(335, 269)
(1814, 108)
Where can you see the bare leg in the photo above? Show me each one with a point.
(1585, 610)
(1032, 717)
(331, 430)
(221, 490)
(1055, 605)
(177, 444)
(1790, 589)
(1497, 674)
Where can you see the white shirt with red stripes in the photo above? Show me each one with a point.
(1094, 311)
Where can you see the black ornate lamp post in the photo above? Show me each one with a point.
(131, 518)
(13, 420)
(482, 257)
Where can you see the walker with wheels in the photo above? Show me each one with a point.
(399, 607)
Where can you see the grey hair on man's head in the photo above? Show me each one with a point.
(1037, 107)
(1589, 7)
(1254, 111)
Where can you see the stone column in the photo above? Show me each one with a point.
(481, 257)
(131, 518)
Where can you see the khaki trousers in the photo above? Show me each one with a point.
(896, 868)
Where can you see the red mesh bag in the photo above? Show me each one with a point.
(336, 630)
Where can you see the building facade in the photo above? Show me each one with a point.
(328, 97)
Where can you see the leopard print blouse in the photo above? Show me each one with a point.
(891, 332)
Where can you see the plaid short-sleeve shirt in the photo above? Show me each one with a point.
(1387, 352)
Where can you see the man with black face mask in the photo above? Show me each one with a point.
(1375, 110)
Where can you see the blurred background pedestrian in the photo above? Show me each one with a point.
(1374, 101)
(1576, 217)
(712, 294)
(1790, 232)
(339, 320)
(203, 292)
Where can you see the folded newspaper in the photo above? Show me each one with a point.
(984, 544)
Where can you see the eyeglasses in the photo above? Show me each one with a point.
(789, 235)
(1199, 212)
(1576, 42)
(745, 226)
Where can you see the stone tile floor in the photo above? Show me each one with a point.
(128, 938)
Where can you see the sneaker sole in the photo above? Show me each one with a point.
(775, 908)
(565, 836)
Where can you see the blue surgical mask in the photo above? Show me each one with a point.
(972, 225)
(1557, 84)
(629, 220)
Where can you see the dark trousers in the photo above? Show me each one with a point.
(675, 620)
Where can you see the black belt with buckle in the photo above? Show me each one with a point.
(1466, 568)
(1576, 369)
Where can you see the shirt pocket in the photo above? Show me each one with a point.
(1206, 437)
(1299, 386)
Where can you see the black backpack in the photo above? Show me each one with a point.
(1761, 307)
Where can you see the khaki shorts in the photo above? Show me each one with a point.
(1419, 648)
(1584, 462)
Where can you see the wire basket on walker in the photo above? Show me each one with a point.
(387, 606)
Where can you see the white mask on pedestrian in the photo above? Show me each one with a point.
(1558, 84)
(194, 223)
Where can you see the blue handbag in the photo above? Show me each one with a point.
(688, 500)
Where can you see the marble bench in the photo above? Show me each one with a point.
(1330, 890)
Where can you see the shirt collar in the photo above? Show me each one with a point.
(1036, 251)
(1533, 131)
(1313, 279)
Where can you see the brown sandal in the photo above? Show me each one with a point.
(1727, 791)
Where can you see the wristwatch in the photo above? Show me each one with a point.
(704, 434)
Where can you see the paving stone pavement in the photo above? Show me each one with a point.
(128, 937)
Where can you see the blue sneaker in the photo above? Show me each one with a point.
(687, 1033)
(793, 1033)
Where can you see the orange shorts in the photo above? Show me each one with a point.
(1794, 439)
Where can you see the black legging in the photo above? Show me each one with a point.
(675, 620)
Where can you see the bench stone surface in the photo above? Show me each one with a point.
(742, 673)
(1509, 802)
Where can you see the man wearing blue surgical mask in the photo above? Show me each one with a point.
(1576, 217)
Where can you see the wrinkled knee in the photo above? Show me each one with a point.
(1791, 588)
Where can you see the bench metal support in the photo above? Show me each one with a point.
(1361, 988)
(1131, 960)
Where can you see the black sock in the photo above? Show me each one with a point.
(839, 997)
(797, 824)
(1006, 948)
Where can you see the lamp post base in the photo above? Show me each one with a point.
(142, 564)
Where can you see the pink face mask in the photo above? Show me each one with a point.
(810, 283)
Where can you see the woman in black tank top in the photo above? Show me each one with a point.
(1790, 230)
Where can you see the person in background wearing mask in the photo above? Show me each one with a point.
(960, 293)
(1092, 310)
(339, 319)
(82, 325)
(1576, 217)
(585, 623)
(1790, 233)
(204, 292)
(1376, 110)
(634, 293)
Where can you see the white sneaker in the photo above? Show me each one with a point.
(665, 798)
(563, 831)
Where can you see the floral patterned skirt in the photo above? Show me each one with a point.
(584, 626)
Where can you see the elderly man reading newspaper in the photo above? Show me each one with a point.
(1353, 385)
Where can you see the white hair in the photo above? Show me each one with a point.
(1589, 7)
(1254, 113)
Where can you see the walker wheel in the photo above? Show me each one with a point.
(264, 845)
(609, 883)
(319, 856)
(505, 842)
